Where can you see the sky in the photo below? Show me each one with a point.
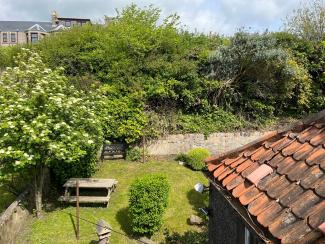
(218, 16)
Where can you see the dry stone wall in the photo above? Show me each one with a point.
(215, 143)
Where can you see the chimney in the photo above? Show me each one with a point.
(55, 20)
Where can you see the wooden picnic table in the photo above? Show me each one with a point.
(89, 183)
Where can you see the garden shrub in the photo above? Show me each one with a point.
(183, 157)
(133, 154)
(148, 198)
(191, 237)
(196, 158)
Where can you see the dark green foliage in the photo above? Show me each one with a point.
(148, 198)
(160, 79)
(133, 154)
(255, 76)
(311, 55)
(191, 237)
(183, 157)
(196, 158)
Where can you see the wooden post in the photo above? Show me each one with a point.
(77, 209)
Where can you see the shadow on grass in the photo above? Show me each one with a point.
(73, 224)
(192, 237)
(122, 216)
(196, 199)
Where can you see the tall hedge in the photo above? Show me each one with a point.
(148, 198)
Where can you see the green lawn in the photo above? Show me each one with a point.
(57, 226)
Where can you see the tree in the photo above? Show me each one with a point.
(43, 121)
(308, 21)
(257, 77)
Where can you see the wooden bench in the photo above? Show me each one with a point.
(89, 183)
(116, 150)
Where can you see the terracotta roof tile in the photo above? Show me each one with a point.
(289, 202)
(285, 165)
(303, 152)
(305, 202)
(259, 204)
(308, 134)
(315, 209)
(238, 161)
(276, 160)
(317, 156)
(290, 196)
(229, 178)
(277, 146)
(296, 233)
(292, 148)
(244, 166)
(241, 189)
(224, 174)
(250, 169)
(259, 173)
(317, 218)
(212, 167)
(321, 227)
(229, 161)
(312, 175)
(268, 155)
(320, 187)
(258, 153)
(219, 170)
(235, 182)
(277, 187)
(319, 139)
(249, 196)
(268, 215)
(282, 223)
(298, 171)
(267, 181)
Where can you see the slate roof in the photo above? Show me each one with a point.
(22, 26)
(280, 180)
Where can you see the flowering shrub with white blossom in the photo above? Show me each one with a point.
(45, 122)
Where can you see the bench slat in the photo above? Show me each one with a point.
(85, 199)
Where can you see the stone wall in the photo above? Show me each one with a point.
(215, 143)
(13, 219)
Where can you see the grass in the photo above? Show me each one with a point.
(57, 226)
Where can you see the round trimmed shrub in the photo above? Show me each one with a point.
(133, 154)
(196, 158)
(148, 198)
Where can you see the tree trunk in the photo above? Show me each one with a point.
(39, 180)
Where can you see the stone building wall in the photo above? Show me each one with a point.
(215, 143)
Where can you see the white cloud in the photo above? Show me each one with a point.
(223, 16)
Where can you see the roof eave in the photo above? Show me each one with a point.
(259, 230)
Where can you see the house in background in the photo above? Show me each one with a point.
(21, 32)
(271, 190)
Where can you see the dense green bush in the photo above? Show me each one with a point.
(257, 76)
(183, 157)
(133, 154)
(196, 158)
(189, 237)
(148, 198)
(158, 78)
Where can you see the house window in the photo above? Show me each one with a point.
(4, 37)
(68, 23)
(34, 37)
(13, 37)
(250, 238)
